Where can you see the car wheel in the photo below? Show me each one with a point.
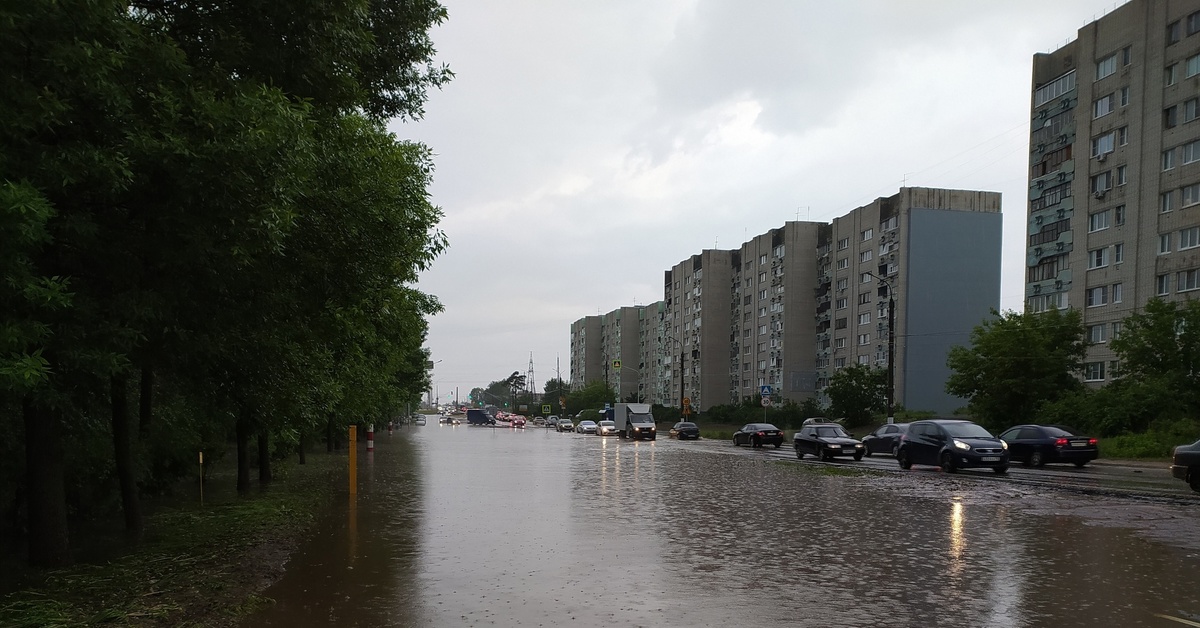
(1000, 470)
(1194, 479)
(1037, 459)
(948, 463)
(654, 437)
(896, 449)
(1081, 463)
(823, 455)
(866, 451)
(799, 454)
(902, 459)
(735, 443)
(858, 455)
(778, 445)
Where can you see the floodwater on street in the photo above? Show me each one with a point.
(474, 526)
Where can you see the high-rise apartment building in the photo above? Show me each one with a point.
(1115, 221)
(696, 337)
(619, 348)
(934, 254)
(587, 355)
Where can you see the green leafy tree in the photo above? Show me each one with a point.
(592, 395)
(858, 392)
(1016, 362)
(1161, 344)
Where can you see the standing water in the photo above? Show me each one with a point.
(473, 526)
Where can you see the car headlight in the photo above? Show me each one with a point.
(1003, 445)
(961, 445)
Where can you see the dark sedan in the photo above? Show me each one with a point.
(1036, 445)
(885, 440)
(685, 430)
(758, 434)
(826, 441)
(951, 444)
(1185, 464)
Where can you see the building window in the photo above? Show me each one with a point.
(1188, 280)
(841, 303)
(864, 359)
(864, 298)
(839, 323)
(762, 311)
(1098, 221)
(1097, 258)
(1174, 32)
(762, 277)
(889, 224)
(1121, 176)
(864, 278)
(1106, 66)
(1117, 292)
(1164, 202)
(839, 343)
(1102, 182)
(762, 295)
(1118, 253)
(1123, 136)
(1103, 106)
(864, 318)
(1054, 89)
(864, 339)
(1189, 238)
(1168, 159)
(1191, 152)
(843, 263)
(1119, 215)
(1171, 74)
(841, 283)
(1162, 284)
(866, 234)
(1191, 67)
(839, 362)
(844, 243)
(865, 256)
(762, 330)
(1093, 372)
(1096, 296)
(1096, 333)
(1164, 244)
(778, 251)
(1191, 194)
(1193, 23)
(1169, 116)
(1127, 55)
(1103, 144)
(1191, 109)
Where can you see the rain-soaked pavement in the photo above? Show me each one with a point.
(471, 526)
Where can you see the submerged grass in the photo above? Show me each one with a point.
(196, 567)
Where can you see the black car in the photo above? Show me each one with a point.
(1185, 464)
(826, 441)
(885, 440)
(758, 434)
(1036, 445)
(951, 444)
(685, 430)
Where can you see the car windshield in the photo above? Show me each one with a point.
(640, 418)
(762, 427)
(832, 431)
(966, 430)
(685, 425)
(587, 422)
(1054, 432)
(608, 423)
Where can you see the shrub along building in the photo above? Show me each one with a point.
(1116, 222)
(791, 306)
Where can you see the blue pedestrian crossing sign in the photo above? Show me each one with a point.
(764, 391)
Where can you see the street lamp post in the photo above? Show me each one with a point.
(681, 395)
(891, 381)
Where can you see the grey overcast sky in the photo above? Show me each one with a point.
(585, 147)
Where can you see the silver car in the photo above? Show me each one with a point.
(586, 427)
(565, 425)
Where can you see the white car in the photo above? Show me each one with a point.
(586, 427)
(606, 428)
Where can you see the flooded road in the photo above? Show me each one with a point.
(470, 526)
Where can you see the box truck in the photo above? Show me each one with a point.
(633, 420)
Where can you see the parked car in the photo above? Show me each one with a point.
(1185, 464)
(758, 434)
(826, 441)
(552, 421)
(564, 425)
(885, 440)
(538, 420)
(952, 444)
(607, 428)
(1036, 445)
(685, 430)
(586, 427)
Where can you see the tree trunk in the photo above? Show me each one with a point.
(329, 442)
(264, 458)
(146, 401)
(123, 456)
(49, 540)
(243, 451)
(302, 447)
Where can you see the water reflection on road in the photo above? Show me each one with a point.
(458, 526)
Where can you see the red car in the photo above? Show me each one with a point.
(518, 421)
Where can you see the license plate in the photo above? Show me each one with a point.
(991, 458)
(1079, 444)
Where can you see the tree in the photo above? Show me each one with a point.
(858, 392)
(1017, 362)
(1161, 344)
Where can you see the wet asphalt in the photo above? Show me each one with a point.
(472, 526)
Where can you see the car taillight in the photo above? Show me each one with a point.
(761, 434)
(1092, 441)
(1061, 442)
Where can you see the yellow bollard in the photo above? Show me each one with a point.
(202, 479)
(353, 459)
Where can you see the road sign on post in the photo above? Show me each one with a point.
(617, 364)
(546, 409)
(764, 391)
(766, 402)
